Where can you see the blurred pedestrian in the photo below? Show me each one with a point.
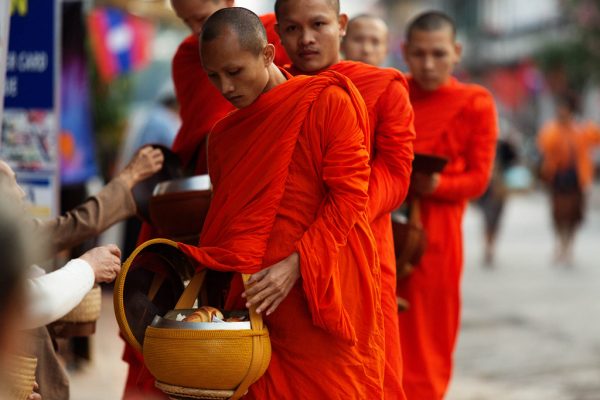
(456, 121)
(493, 200)
(566, 145)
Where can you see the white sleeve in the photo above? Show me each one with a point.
(52, 296)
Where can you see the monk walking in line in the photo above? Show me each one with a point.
(311, 31)
(201, 106)
(456, 121)
(290, 169)
(366, 40)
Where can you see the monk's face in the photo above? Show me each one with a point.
(194, 13)
(431, 56)
(239, 74)
(310, 31)
(366, 41)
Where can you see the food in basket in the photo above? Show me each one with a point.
(204, 314)
(239, 318)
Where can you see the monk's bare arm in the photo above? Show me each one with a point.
(393, 151)
(479, 157)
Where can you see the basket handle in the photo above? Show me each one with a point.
(192, 290)
(256, 321)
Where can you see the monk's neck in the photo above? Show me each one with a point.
(298, 71)
(276, 78)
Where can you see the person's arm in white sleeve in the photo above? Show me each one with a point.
(52, 296)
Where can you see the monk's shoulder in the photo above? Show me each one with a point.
(480, 97)
(188, 51)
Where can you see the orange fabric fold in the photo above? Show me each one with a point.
(290, 173)
(392, 132)
(457, 121)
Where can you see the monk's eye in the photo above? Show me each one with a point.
(234, 72)
(290, 28)
(320, 24)
(439, 54)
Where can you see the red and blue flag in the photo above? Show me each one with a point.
(121, 42)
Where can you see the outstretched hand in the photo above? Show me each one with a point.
(145, 163)
(269, 287)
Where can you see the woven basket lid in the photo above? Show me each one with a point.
(149, 284)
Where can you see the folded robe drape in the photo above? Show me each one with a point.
(290, 173)
(392, 132)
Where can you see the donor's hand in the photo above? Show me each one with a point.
(269, 287)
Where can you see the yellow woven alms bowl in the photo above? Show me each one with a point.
(206, 359)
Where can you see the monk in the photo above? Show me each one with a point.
(290, 173)
(366, 40)
(456, 121)
(201, 106)
(310, 31)
(200, 103)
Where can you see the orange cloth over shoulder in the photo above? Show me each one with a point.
(561, 145)
(385, 92)
(201, 106)
(457, 121)
(290, 174)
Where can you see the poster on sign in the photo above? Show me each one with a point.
(30, 122)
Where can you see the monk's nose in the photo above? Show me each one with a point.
(429, 63)
(307, 37)
(227, 87)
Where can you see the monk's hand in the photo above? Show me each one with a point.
(423, 184)
(267, 288)
(145, 163)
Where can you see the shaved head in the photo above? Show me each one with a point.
(431, 21)
(366, 40)
(335, 5)
(244, 23)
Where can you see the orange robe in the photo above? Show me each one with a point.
(201, 106)
(559, 144)
(290, 174)
(457, 121)
(392, 132)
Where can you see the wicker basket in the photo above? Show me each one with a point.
(21, 375)
(89, 308)
(204, 361)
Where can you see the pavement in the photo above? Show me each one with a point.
(529, 328)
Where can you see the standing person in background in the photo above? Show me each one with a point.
(567, 167)
(311, 31)
(493, 200)
(456, 121)
(366, 40)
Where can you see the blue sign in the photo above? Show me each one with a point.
(30, 62)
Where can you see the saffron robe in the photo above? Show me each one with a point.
(457, 121)
(290, 174)
(201, 105)
(385, 92)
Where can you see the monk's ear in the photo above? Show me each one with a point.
(458, 49)
(269, 54)
(343, 22)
